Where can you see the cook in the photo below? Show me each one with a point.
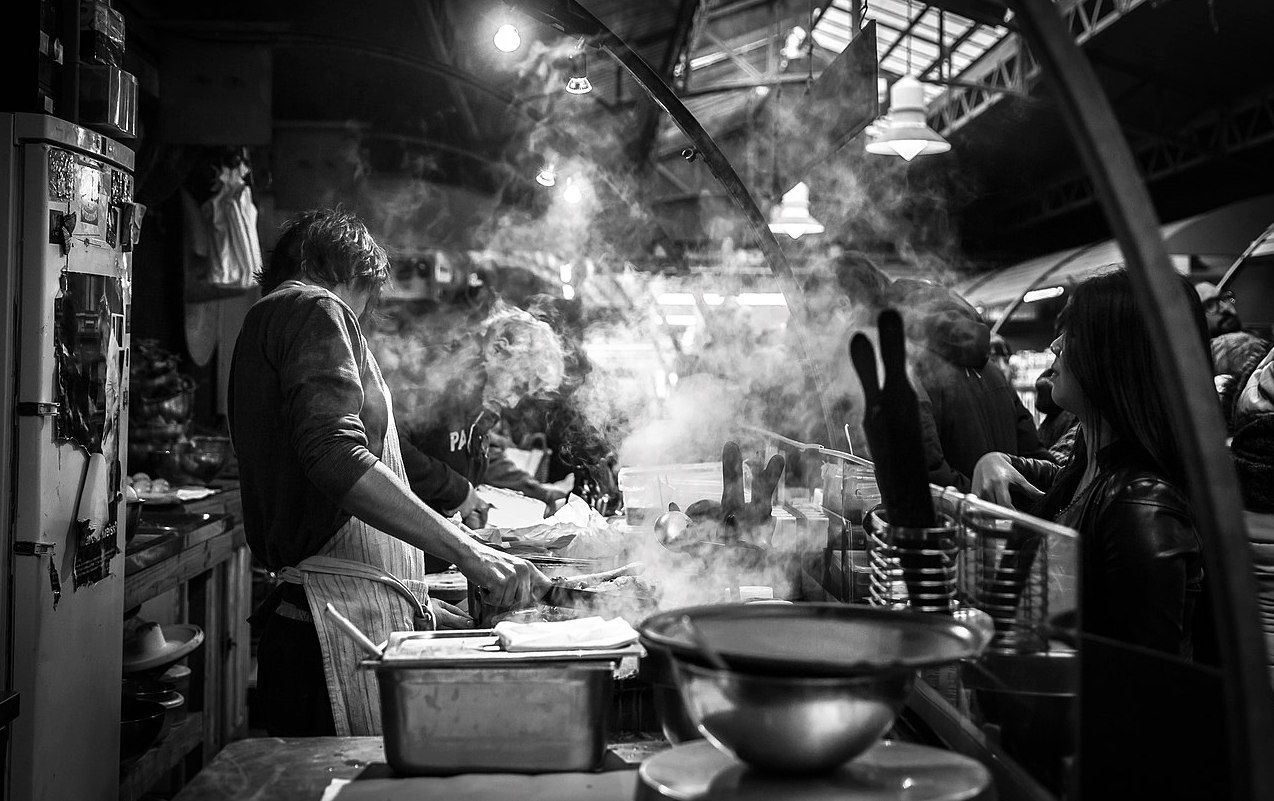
(485, 369)
(325, 501)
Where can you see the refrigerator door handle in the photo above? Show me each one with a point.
(37, 409)
(34, 548)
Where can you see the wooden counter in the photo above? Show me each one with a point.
(273, 769)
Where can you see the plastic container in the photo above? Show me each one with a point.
(472, 711)
(649, 490)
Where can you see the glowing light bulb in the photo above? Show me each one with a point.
(507, 39)
(572, 193)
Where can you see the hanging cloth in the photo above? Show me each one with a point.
(235, 256)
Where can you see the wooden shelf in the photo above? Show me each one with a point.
(186, 564)
(156, 763)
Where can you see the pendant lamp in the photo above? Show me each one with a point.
(903, 131)
(577, 82)
(792, 215)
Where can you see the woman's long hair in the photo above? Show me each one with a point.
(1108, 349)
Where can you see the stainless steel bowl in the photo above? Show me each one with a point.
(791, 724)
(203, 457)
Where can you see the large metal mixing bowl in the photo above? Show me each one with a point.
(791, 724)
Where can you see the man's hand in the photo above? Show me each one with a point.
(554, 499)
(473, 512)
(503, 580)
(993, 477)
(449, 616)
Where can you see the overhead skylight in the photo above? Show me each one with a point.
(908, 41)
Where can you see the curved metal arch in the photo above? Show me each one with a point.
(1213, 490)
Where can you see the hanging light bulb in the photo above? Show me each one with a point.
(577, 80)
(507, 39)
(792, 215)
(546, 176)
(572, 193)
(903, 131)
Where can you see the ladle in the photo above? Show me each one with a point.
(670, 531)
(355, 634)
(701, 645)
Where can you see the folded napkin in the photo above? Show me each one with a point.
(566, 635)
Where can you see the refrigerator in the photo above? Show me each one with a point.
(67, 224)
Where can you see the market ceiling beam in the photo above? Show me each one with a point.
(433, 32)
(1211, 138)
(1008, 65)
(674, 52)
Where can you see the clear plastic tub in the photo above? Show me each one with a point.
(649, 490)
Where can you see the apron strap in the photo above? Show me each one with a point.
(332, 566)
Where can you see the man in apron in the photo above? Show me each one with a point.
(325, 502)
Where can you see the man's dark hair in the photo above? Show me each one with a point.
(328, 246)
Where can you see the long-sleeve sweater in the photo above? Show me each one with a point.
(306, 418)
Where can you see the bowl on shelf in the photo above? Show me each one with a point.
(799, 687)
(203, 457)
(174, 406)
(140, 724)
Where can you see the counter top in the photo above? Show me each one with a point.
(300, 769)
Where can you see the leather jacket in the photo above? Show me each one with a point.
(1141, 566)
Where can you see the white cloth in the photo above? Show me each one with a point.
(235, 255)
(585, 633)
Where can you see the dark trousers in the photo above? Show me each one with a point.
(291, 686)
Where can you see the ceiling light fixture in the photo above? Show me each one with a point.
(903, 131)
(507, 39)
(546, 177)
(577, 80)
(792, 215)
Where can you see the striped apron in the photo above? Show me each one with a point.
(375, 580)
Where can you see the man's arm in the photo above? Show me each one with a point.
(379, 499)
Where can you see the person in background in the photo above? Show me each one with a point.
(1234, 351)
(966, 410)
(1000, 354)
(1141, 561)
(326, 504)
(479, 372)
(1253, 450)
(557, 421)
(1059, 427)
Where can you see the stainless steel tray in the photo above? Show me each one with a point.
(492, 711)
(477, 647)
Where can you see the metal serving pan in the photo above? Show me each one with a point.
(466, 708)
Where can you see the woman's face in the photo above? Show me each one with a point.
(1066, 390)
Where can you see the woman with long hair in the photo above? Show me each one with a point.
(1122, 490)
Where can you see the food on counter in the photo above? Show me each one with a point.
(146, 487)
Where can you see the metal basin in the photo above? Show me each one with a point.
(806, 687)
(791, 724)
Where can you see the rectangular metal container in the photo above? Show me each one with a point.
(497, 713)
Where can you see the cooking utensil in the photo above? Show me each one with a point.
(354, 632)
(892, 422)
